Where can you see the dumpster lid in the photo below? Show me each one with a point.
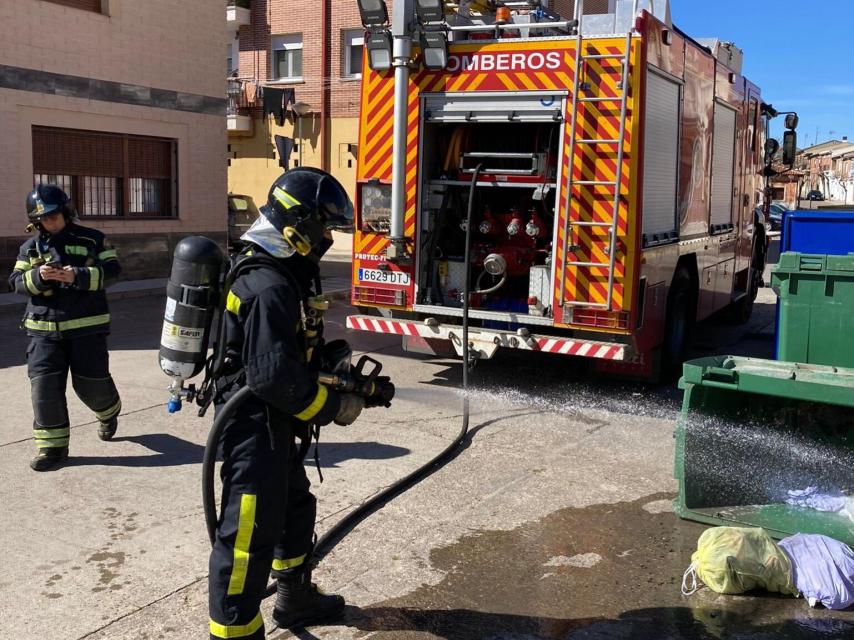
(812, 382)
(795, 262)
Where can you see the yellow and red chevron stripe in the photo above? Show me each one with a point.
(595, 203)
(595, 120)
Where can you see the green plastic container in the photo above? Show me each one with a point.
(751, 431)
(815, 322)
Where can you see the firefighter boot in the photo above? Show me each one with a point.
(48, 458)
(106, 430)
(299, 602)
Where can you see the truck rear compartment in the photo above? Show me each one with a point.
(513, 216)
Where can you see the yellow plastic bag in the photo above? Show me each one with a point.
(739, 559)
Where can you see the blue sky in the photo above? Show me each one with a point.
(801, 54)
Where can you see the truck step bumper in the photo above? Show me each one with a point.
(485, 342)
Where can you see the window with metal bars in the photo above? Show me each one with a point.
(86, 5)
(108, 174)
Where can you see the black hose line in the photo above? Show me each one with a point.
(209, 460)
(328, 540)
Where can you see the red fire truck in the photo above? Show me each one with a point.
(620, 172)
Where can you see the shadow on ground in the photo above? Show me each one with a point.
(334, 453)
(169, 451)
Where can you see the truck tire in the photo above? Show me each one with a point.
(679, 323)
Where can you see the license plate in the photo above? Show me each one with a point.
(383, 277)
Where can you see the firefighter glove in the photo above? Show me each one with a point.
(351, 407)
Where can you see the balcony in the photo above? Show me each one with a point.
(237, 13)
(241, 102)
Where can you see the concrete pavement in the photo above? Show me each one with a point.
(554, 522)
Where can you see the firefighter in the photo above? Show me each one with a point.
(63, 270)
(268, 513)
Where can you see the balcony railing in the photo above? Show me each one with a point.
(242, 100)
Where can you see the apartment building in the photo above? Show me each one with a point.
(295, 73)
(122, 104)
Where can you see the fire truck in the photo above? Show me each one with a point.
(616, 169)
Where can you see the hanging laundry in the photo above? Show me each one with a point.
(276, 102)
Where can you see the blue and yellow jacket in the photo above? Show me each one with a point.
(266, 346)
(59, 310)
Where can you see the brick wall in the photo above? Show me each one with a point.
(155, 43)
(163, 44)
(285, 17)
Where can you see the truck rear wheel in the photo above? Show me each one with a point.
(681, 315)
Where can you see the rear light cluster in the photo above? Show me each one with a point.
(372, 295)
(599, 318)
(376, 207)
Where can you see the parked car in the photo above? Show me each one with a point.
(775, 216)
(815, 194)
(242, 212)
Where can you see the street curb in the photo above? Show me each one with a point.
(18, 307)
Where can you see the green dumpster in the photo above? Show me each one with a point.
(753, 431)
(816, 313)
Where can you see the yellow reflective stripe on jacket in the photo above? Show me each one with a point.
(316, 405)
(108, 254)
(31, 286)
(94, 278)
(232, 303)
(288, 563)
(245, 526)
(22, 265)
(236, 630)
(285, 198)
(76, 250)
(66, 325)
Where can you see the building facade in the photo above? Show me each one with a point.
(828, 169)
(278, 46)
(317, 53)
(122, 104)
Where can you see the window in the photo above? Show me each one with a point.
(86, 5)
(752, 114)
(354, 44)
(108, 174)
(232, 57)
(287, 58)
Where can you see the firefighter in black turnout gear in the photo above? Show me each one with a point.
(268, 513)
(63, 270)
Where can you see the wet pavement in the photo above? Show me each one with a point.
(601, 572)
(554, 522)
